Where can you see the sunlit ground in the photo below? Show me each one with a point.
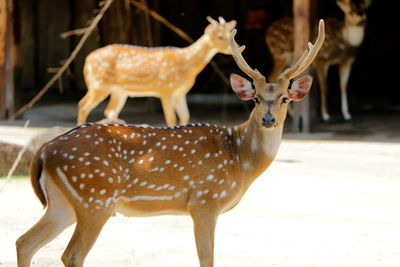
(321, 203)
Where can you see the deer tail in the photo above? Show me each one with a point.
(36, 169)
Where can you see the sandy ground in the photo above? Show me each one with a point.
(321, 203)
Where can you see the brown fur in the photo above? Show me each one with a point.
(200, 170)
(36, 169)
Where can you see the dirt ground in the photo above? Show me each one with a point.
(321, 203)
(330, 199)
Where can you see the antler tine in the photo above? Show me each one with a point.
(212, 21)
(366, 3)
(221, 20)
(240, 61)
(308, 56)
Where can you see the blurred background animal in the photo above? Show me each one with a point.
(164, 72)
(342, 40)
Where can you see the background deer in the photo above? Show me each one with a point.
(164, 72)
(95, 170)
(340, 47)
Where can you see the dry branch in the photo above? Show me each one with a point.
(17, 160)
(78, 32)
(163, 20)
(68, 61)
(179, 32)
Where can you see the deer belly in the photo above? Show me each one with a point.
(147, 206)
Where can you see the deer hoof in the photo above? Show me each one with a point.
(326, 117)
(347, 117)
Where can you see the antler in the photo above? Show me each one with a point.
(240, 61)
(212, 21)
(308, 56)
(366, 3)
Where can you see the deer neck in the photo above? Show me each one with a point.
(256, 147)
(199, 54)
(353, 34)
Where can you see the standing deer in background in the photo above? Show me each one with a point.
(95, 170)
(164, 72)
(342, 41)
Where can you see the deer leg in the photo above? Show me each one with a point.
(59, 215)
(89, 102)
(344, 72)
(115, 105)
(181, 109)
(169, 113)
(204, 229)
(322, 72)
(86, 232)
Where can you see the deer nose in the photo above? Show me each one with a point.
(268, 120)
(362, 23)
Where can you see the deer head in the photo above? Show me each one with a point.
(355, 11)
(272, 98)
(218, 33)
(355, 19)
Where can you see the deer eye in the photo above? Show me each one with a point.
(285, 100)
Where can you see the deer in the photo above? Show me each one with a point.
(93, 171)
(168, 73)
(343, 38)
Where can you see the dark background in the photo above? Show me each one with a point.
(38, 24)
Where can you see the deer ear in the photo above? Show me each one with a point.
(242, 87)
(343, 5)
(230, 25)
(300, 88)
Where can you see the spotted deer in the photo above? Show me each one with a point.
(200, 170)
(164, 72)
(343, 38)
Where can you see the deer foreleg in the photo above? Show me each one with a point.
(182, 109)
(344, 71)
(204, 229)
(115, 105)
(322, 72)
(169, 113)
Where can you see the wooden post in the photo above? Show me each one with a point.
(6, 59)
(3, 32)
(301, 20)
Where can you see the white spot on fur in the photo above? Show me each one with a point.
(246, 165)
(254, 142)
(64, 180)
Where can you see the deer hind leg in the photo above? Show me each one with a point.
(204, 223)
(322, 72)
(59, 215)
(115, 105)
(87, 230)
(89, 102)
(344, 72)
(181, 109)
(169, 113)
